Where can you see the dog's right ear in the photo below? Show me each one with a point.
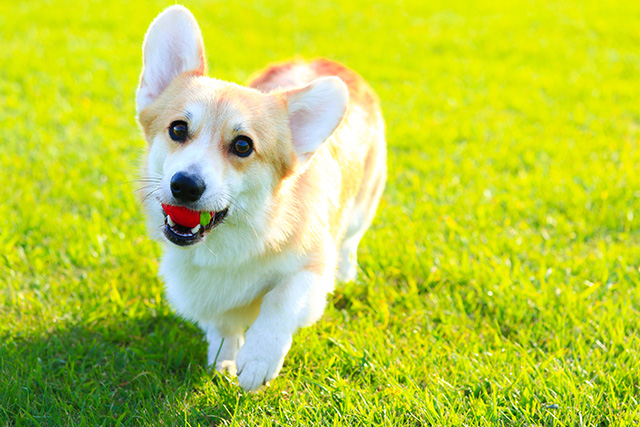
(173, 45)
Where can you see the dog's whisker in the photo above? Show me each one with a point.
(210, 250)
(149, 195)
(146, 182)
(145, 187)
(123, 183)
(143, 178)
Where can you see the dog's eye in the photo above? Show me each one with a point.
(178, 131)
(242, 146)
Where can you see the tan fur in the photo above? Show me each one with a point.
(350, 159)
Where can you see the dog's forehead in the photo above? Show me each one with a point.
(212, 100)
(196, 112)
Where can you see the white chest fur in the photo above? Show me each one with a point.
(203, 287)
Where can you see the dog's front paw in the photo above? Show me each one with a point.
(226, 366)
(256, 373)
(259, 362)
(222, 351)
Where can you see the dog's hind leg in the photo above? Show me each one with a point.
(363, 211)
(348, 256)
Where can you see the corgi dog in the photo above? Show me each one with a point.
(260, 194)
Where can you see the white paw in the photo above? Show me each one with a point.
(258, 363)
(222, 352)
(347, 272)
(256, 373)
(348, 265)
(228, 366)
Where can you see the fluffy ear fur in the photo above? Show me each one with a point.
(315, 111)
(173, 45)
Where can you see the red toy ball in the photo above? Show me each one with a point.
(183, 216)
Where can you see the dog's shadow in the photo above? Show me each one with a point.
(114, 369)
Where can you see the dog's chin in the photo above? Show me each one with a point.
(184, 236)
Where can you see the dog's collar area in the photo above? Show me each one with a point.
(185, 236)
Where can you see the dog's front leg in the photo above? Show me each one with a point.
(222, 348)
(298, 301)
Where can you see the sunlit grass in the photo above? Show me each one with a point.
(498, 283)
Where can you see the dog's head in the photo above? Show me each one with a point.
(216, 149)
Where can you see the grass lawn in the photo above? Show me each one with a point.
(498, 284)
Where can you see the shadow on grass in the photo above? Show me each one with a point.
(112, 371)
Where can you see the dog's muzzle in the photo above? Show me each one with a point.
(183, 235)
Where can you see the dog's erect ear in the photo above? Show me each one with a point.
(315, 111)
(173, 45)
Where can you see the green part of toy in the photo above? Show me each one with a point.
(205, 217)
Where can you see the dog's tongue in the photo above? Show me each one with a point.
(187, 217)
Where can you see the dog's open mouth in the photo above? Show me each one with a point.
(185, 227)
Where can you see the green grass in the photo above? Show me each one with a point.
(499, 282)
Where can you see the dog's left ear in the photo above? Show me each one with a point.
(173, 45)
(315, 111)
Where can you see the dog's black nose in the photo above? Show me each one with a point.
(186, 187)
